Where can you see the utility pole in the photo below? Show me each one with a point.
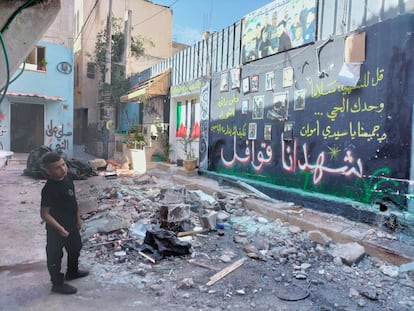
(107, 118)
(127, 40)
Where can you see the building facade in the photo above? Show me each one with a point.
(148, 21)
(38, 106)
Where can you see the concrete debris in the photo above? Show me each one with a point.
(131, 207)
(406, 267)
(186, 283)
(174, 213)
(97, 163)
(209, 220)
(105, 222)
(319, 237)
(391, 271)
(350, 253)
(295, 229)
(207, 201)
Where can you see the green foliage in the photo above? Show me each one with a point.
(135, 139)
(119, 84)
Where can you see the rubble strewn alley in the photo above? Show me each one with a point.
(138, 228)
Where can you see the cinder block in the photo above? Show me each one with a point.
(209, 220)
(174, 212)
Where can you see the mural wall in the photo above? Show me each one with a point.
(297, 120)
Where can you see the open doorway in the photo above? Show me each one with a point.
(27, 127)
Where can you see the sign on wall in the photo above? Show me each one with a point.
(279, 26)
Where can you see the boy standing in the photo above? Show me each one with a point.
(59, 209)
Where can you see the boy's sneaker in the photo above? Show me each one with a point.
(76, 275)
(64, 289)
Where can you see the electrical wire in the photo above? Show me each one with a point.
(159, 12)
(11, 18)
(86, 21)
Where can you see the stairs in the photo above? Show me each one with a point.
(17, 159)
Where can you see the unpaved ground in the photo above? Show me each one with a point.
(289, 266)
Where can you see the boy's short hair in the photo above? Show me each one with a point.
(50, 157)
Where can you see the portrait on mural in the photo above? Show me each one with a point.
(258, 107)
(246, 85)
(235, 78)
(224, 82)
(288, 130)
(267, 134)
(287, 77)
(252, 131)
(245, 106)
(270, 80)
(299, 100)
(254, 83)
(279, 111)
(279, 26)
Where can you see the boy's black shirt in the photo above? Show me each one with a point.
(59, 196)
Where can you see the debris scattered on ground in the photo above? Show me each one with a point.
(210, 235)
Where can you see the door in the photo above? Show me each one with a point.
(27, 127)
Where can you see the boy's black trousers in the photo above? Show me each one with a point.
(54, 253)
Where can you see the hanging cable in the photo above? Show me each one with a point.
(6, 58)
(11, 18)
(86, 21)
(3, 45)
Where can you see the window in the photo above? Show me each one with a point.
(37, 59)
(90, 70)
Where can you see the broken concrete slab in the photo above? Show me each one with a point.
(105, 222)
(207, 201)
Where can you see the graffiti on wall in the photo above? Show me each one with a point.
(204, 125)
(329, 145)
(355, 109)
(57, 136)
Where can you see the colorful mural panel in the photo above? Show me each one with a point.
(279, 26)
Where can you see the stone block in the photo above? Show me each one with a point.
(175, 213)
(350, 253)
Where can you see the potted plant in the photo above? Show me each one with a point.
(42, 65)
(135, 151)
(190, 161)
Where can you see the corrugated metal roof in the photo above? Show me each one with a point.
(47, 97)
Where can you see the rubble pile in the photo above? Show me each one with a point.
(203, 252)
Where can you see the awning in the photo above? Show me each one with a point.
(35, 95)
(156, 86)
